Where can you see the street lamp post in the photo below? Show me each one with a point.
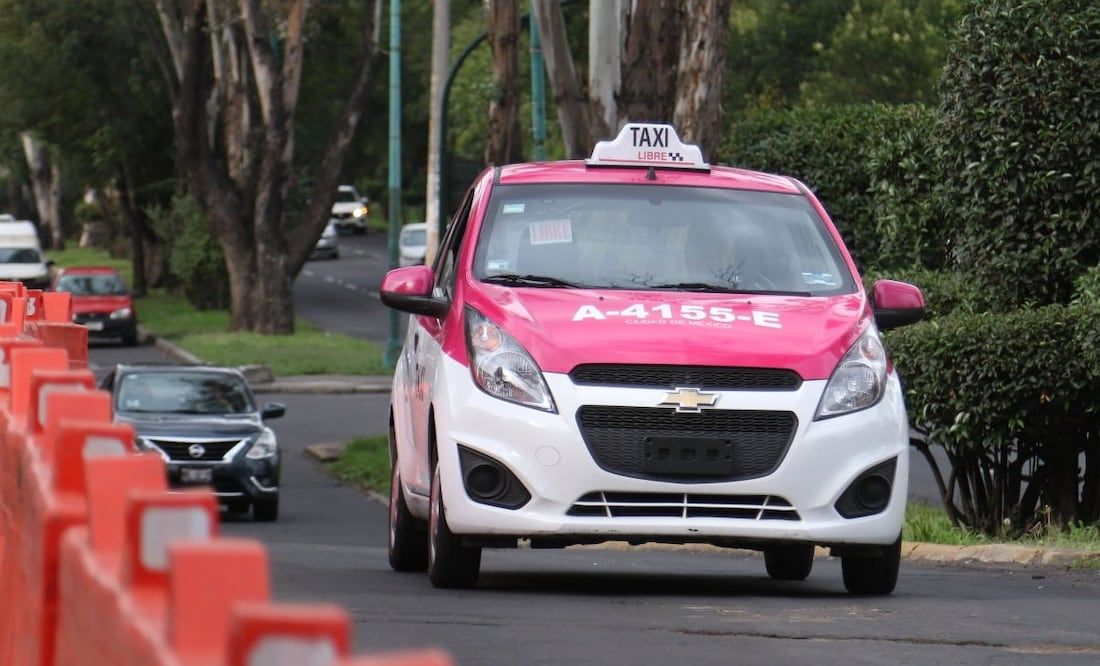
(393, 344)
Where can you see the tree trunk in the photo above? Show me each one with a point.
(699, 75)
(505, 143)
(606, 23)
(650, 58)
(46, 183)
(579, 123)
(441, 48)
(136, 225)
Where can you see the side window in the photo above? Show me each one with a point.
(444, 267)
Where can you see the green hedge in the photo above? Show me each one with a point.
(1012, 399)
(944, 291)
(1021, 137)
(873, 167)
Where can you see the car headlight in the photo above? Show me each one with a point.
(859, 380)
(360, 211)
(265, 445)
(122, 313)
(502, 367)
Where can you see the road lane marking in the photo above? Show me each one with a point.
(330, 279)
(307, 273)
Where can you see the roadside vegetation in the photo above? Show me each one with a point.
(207, 334)
(365, 462)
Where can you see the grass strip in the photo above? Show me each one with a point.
(207, 334)
(365, 462)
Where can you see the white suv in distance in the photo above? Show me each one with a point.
(349, 210)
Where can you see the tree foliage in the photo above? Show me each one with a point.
(1021, 145)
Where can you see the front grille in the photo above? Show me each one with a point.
(212, 450)
(682, 505)
(617, 436)
(341, 216)
(82, 317)
(711, 378)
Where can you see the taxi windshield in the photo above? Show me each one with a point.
(636, 237)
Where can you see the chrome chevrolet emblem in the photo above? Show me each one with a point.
(196, 450)
(690, 400)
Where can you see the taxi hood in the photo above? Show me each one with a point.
(563, 328)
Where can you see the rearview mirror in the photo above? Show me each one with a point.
(896, 304)
(273, 410)
(409, 290)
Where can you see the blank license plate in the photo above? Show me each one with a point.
(94, 325)
(196, 474)
(690, 456)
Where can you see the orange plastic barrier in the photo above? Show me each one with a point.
(102, 565)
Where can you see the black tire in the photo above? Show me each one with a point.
(238, 507)
(265, 510)
(789, 562)
(874, 574)
(361, 231)
(450, 563)
(130, 338)
(408, 538)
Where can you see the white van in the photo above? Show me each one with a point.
(21, 257)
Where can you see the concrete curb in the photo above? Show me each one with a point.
(174, 352)
(319, 387)
(1001, 553)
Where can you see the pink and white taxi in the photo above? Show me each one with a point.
(645, 348)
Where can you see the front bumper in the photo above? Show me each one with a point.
(240, 479)
(548, 455)
(102, 326)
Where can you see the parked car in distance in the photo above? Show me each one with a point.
(101, 301)
(412, 244)
(21, 257)
(326, 245)
(204, 422)
(350, 210)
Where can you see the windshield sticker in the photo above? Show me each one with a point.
(551, 231)
(513, 208)
(824, 279)
(667, 314)
(133, 403)
(497, 265)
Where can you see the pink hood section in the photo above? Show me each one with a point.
(563, 328)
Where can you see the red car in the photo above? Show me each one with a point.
(101, 301)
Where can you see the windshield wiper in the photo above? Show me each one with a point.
(726, 289)
(532, 281)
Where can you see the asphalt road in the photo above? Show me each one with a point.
(583, 606)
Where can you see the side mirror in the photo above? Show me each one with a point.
(50, 263)
(273, 410)
(896, 304)
(409, 290)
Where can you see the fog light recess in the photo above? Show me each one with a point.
(869, 493)
(488, 481)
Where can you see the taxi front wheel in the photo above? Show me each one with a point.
(450, 563)
(872, 575)
(789, 562)
(408, 547)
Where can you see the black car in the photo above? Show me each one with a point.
(204, 422)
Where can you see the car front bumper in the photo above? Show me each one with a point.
(105, 327)
(242, 479)
(548, 455)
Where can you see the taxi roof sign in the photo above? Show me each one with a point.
(648, 145)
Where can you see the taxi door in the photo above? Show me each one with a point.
(427, 347)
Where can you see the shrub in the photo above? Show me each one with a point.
(872, 166)
(944, 291)
(1012, 399)
(194, 258)
(1021, 145)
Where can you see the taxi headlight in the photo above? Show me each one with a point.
(360, 211)
(265, 446)
(122, 313)
(858, 381)
(502, 367)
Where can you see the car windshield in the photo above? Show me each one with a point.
(413, 237)
(344, 196)
(183, 393)
(654, 238)
(19, 255)
(104, 284)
